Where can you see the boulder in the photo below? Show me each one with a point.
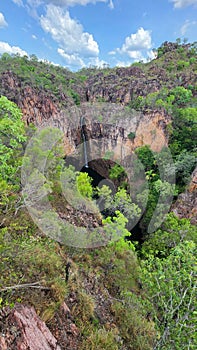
(22, 329)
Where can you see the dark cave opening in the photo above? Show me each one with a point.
(96, 177)
(137, 234)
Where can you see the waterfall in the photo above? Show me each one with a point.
(84, 142)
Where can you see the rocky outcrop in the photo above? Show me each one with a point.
(120, 86)
(186, 204)
(108, 126)
(22, 329)
(41, 91)
(110, 130)
(36, 104)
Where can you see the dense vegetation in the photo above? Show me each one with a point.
(127, 295)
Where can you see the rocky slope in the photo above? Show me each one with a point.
(23, 329)
(34, 85)
(108, 123)
(186, 204)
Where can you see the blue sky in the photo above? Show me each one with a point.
(80, 33)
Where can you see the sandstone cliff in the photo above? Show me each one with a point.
(109, 122)
(186, 204)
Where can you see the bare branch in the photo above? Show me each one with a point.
(35, 285)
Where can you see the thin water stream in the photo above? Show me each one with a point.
(84, 142)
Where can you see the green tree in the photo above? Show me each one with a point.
(182, 95)
(115, 230)
(184, 165)
(116, 172)
(184, 130)
(12, 139)
(157, 189)
(147, 158)
(121, 202)
(84, 185)
(151, 99)
(171, 286)
(172, 232)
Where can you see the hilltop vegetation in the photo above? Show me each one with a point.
(175, 66)
(128, 294)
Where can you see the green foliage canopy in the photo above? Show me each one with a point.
(171, 287)
(12, 138)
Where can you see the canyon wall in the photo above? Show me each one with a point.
(186, 204)
(109, 128)
(120, 129)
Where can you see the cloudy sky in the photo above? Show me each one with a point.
(79, 33)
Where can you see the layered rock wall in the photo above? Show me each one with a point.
(186, 204)
(108, 127)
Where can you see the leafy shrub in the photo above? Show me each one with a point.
(75, 97)
(138, 332)
(182, 95)
(116, 172)
(170, 284)
(84, 185)
(172, 232)
(182, 64)
(100, 339)
(131, 135)
(12, 130)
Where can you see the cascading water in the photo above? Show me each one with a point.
(84, 142)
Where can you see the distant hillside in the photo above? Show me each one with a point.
(176, 65)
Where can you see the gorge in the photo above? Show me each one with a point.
(123, 141)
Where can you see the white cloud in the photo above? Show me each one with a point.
(95, 61)
(186, 26)
(151, 54)
(111, 4)
(5, 47)
(18, 2)
(74, 60)
(123, 64)
(71, 60)
(68, 33)
(3, 22)
(68, 3)
(112, 53)
(137, 47)
(136, 55)
(139, 56)
(34, 37)
(141, 40)
(49, 62)
(183, 3)
(35, 3)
